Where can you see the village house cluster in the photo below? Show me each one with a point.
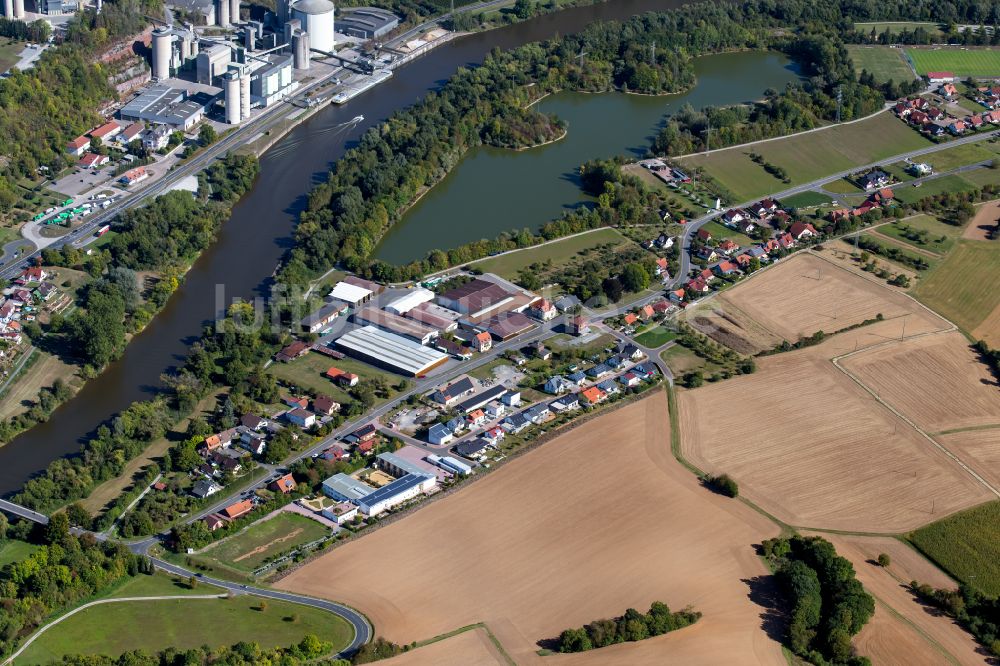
(21, 302)
(728, 260)
(934, 119)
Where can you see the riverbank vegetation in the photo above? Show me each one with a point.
(632, 626)
(828, 603)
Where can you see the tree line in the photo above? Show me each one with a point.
(828, 603)
(632, 626)
(978, 613)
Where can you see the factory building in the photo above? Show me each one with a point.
(273, 81)
(163, 105)
(315, 18)
(213, 62)
(367, 22)
(388, 350)
(373, 501)
(395, 324)
(173, 48)
(410, 300)
(300, 49)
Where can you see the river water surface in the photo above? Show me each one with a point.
(240, 263)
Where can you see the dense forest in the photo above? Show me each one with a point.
(828, 604)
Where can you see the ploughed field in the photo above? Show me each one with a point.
(597, 520)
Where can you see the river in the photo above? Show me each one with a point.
(494, 190)
(240, 263)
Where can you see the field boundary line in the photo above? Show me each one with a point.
(467, 628)
(903, 244)
(42, 630)
(836, 362)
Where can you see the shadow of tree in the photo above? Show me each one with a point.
(764, 592)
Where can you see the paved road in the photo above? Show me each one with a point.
(362, 628)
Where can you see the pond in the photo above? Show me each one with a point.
(494, 190)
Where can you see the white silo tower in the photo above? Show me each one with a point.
(19, 9)
(300, 50)
(234, 11)
(233, 104)
(162, 46)
(8, 8)
(222, 13)
(245, 95)
(317, 19)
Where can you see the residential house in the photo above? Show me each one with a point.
(733, 216)
(765, 208)
(746, 225)
(459, 351)
(557, 384)
(476, 418)
(707, 253)
(494, 435)
(770, 245)
(515, 423)
(495, 410)
(704, 235)
(94, 160)
(743, 261)
(543, 309)
(538, 413)
(630, 379)
(725, 268)
(800, 230)
(130, 133)
(565, 404)
(631, 319)
(948, 91)
(541, 351)
(874, 179)
(334, 453)
(957, 127)
(676, 296)
(366, 433)
(579, 326)
(205, 488)
(157, 138)
(253, 422)
(511, 398)
(472, 448)
(610, 387)
(325, 405)
(727, 247)
(294, 402)
(32, 274)
(78, 146)
(598, 371)
(284, 484)
(483, 342)
(255, 445)
(632, 352)
(301, 417)
(786, 241)
(45, 291)
(237, 509)
(456, 425)
(697, 285)
(342, 377)
(646, 312)
(661, 265)
(214, 521)
(592, 395)
(106, 132)
(661, 306)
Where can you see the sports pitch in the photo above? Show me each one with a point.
(959, 61)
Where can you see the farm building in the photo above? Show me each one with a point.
(388, 350)
(350, 293)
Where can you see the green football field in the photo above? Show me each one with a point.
(961, 62)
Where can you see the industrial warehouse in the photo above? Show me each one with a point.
(388, 350)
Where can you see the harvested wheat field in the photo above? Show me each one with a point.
(806, 293)
(594, 522)
(979, 449)
(903, 631)
(986, 219)
(809, 445)
(936, 381)
(470, 648)
(989, 329)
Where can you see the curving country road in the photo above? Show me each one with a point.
(362, 628)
